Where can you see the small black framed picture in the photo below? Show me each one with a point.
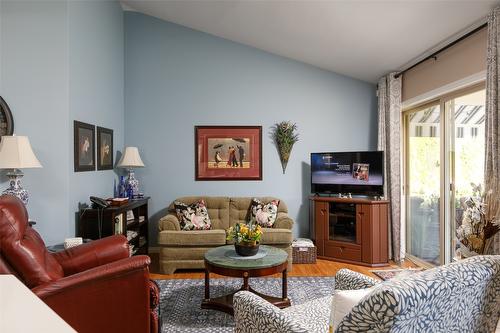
(104, 148)
(84, 146)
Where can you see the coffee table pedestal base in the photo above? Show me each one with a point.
(225, 303)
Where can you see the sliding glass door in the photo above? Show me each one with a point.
(444, 161)
(467, 151)
(423, 150)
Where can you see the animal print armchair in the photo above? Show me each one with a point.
(460, 297)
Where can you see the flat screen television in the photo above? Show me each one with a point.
(359, 173)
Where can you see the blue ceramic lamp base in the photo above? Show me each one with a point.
(132, 184)
(15, 187)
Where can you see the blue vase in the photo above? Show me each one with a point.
(122, 189)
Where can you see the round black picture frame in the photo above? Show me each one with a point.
(5, 110)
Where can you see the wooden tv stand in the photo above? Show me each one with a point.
(351, 230)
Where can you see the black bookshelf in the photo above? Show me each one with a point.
(98, 223)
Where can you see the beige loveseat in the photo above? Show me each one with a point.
(186, 249)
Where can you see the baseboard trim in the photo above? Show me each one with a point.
(419, 262)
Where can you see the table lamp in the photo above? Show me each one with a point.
(16, 154)
(130, 160)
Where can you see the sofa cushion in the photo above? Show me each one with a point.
(184, 253)
(218, 209)
(192, 237)
(193, 216)
(283, 221)
(264, 213)
(276, 236)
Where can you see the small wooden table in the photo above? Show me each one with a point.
(223, 261)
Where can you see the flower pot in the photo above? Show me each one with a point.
(246, 249)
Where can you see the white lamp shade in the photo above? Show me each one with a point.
(131, 158)
(16, 153)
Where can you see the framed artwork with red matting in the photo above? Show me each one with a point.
(228, 152)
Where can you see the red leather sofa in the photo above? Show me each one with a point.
(94, 287)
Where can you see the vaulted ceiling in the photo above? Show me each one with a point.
(362, 39)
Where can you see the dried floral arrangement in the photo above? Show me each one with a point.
(480, 221)
(285, 136)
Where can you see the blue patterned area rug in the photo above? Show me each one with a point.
(180, 300)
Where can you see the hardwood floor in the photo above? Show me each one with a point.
(321, 268)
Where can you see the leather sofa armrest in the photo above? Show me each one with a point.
(91, 301)
(169, 222)
(96, 253)
(114, 270)
(283, 221)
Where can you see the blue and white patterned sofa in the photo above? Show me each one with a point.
(459, 297)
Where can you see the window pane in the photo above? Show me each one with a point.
(467, 153)
(423, 193)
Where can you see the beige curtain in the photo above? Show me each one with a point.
(492, 122)
(389, 140)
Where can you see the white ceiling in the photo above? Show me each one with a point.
(362, 39)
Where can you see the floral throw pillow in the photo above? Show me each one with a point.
(264, 214)
(194, 216)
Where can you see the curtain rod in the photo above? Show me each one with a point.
(433, 55)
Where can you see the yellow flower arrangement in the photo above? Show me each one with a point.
(241, 232)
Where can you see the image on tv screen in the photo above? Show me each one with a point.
(360, 168)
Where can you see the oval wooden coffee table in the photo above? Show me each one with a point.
(224, 261)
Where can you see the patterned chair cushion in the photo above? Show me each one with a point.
(264, 214)
(253, 314)
(314, 315)
(194, 216)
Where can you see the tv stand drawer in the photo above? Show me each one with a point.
(343, 252)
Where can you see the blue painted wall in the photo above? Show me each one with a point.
(96, 83)
(34, 82)
(176, 78)
(61, 61)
